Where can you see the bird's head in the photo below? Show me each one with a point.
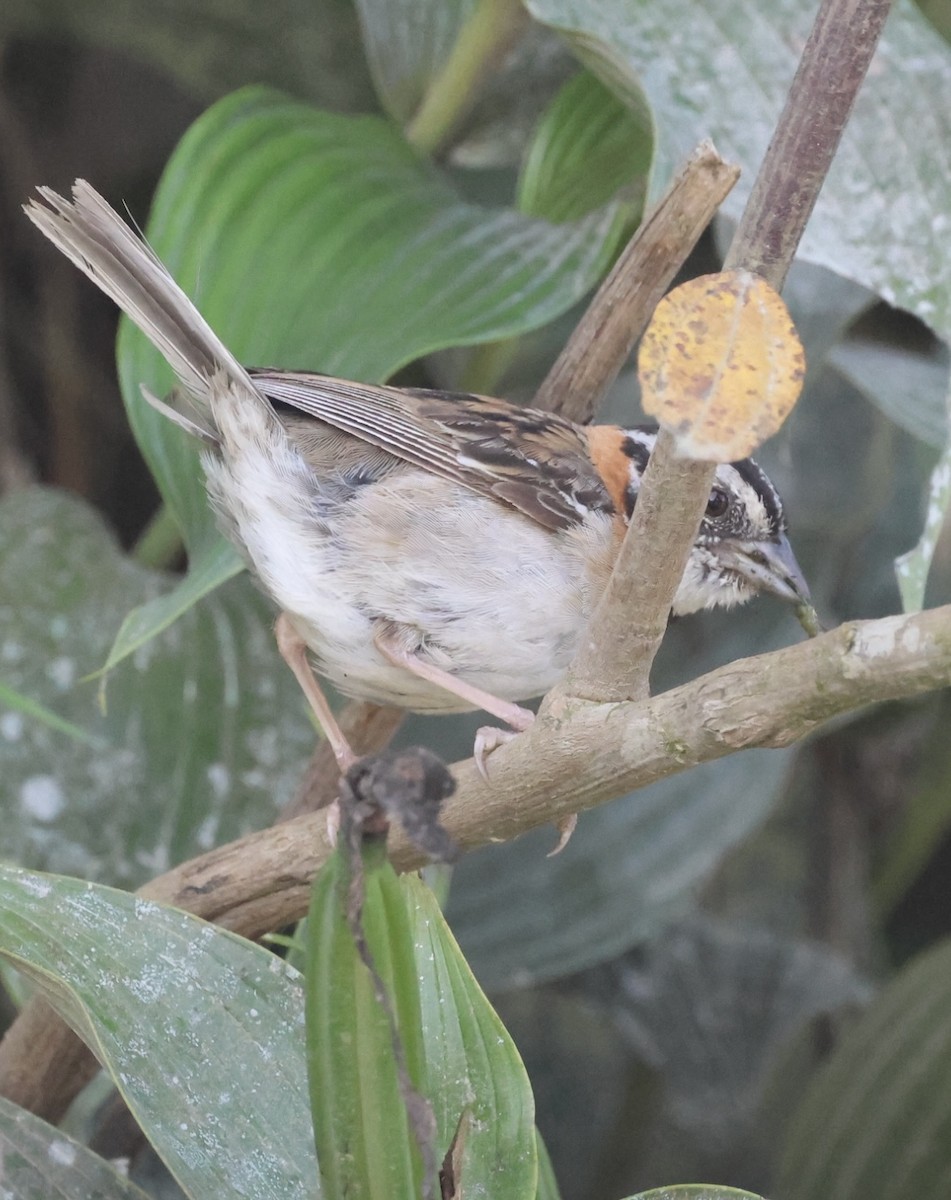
(741, 547)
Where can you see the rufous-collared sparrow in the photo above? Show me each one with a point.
(439, 552)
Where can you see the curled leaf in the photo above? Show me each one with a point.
(721, 365)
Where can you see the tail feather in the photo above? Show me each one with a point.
(100, 243)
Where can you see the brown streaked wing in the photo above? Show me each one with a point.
(534, 461)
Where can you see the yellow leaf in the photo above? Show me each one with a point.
(721, 365)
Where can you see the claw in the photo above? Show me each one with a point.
(487, 739)
(565, 827)
(333, 823)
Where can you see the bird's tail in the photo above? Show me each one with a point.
(100, 243)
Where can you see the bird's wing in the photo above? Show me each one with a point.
(534, 461)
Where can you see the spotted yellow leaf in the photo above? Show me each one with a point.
(721, 365)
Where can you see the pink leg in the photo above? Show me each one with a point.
(487, 739)
(293, 650)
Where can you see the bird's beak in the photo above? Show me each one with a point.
(770, 566)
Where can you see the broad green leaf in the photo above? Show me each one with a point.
(204, 731)
(324, 242)
(721, 69)
(875, 1123)
(908, 381)
(38, 1162)
(200, 1030)
(588, 145)
(912, 568)
(457, 1050)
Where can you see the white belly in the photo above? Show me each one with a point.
(474, 588)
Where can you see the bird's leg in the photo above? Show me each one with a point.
(487, 739)
(293, 650)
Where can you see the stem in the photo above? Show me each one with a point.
(674, 492)
(834, 62)
(486, 366)
(489, 31)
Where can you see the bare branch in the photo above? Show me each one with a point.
(580, 754)
(621, 308)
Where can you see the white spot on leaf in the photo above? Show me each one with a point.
(41, 797)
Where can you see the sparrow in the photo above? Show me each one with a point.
(437, 551)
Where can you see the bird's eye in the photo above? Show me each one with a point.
(718, 503)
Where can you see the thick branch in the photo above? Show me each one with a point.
(622, 306)
(581, 754)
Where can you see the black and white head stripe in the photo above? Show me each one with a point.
(751, 473)
(756, 510)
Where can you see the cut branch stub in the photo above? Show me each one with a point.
(721, 365)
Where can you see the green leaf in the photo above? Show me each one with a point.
(912, 568)
(908, 381)
(471, 1061)
(365, 1143)
(459, 1055)
(588, 145)
(200, 1030)
(41, 1163)
(18, 703)
(722, 68)
(214, 564)
(204, 732)
(875, 1123)
(547, 1184)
